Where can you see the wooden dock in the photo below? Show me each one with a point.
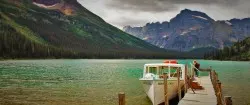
(211, 94)
(205, 96)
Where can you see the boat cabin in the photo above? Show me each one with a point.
(156, 71)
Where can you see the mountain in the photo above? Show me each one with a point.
(192, 29)
(64, 29)
(239, 51)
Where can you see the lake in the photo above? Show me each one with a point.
(97, 82)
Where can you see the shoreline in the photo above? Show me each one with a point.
(1, 59)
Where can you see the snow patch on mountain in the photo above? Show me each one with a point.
(145, 38)
(195, 28)
(227, 22)
(55, 6)
(165, 36)
(200, 17)
(184, 32)
(62, 6)
(163, 44)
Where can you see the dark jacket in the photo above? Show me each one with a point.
(197, 65)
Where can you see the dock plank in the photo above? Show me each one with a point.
(201, 97)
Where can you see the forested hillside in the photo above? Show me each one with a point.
(65, 29)
(239, 51)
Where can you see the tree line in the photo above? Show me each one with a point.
(239, 51)
(14, 45)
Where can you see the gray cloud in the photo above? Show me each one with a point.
(139, 12)
(163, 5)
(142, 5)
(205, 2)
(124, 21)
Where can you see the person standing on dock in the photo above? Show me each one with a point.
(197, 66)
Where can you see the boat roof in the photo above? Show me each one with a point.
(164, 64)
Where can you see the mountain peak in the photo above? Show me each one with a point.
(186, 10)
(189, 14)
(126, 27)
(193, 29)
(240, 20)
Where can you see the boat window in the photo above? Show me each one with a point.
(171, 71)
(152, 70)
(163, 69)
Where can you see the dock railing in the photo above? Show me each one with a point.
(227, 100)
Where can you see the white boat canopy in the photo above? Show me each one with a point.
(157, 69)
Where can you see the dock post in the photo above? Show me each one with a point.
(210, 71)
(166, 88)
(216, 82)
(121, 97)
(219, 95)
(178, 83)
(228, 100)
(210, 74)
(186, 80)
(214, 79)
(192, 69)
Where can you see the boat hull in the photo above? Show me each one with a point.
(155, 90)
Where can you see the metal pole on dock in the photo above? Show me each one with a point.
(121, 97)
(228, 100)
(166, 88)
(178, 82)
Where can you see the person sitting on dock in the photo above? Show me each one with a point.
(197, 66)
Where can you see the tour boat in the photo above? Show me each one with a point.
(153, 81)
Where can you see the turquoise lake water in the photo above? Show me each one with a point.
(97, 82)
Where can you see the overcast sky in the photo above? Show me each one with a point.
(121, 13)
